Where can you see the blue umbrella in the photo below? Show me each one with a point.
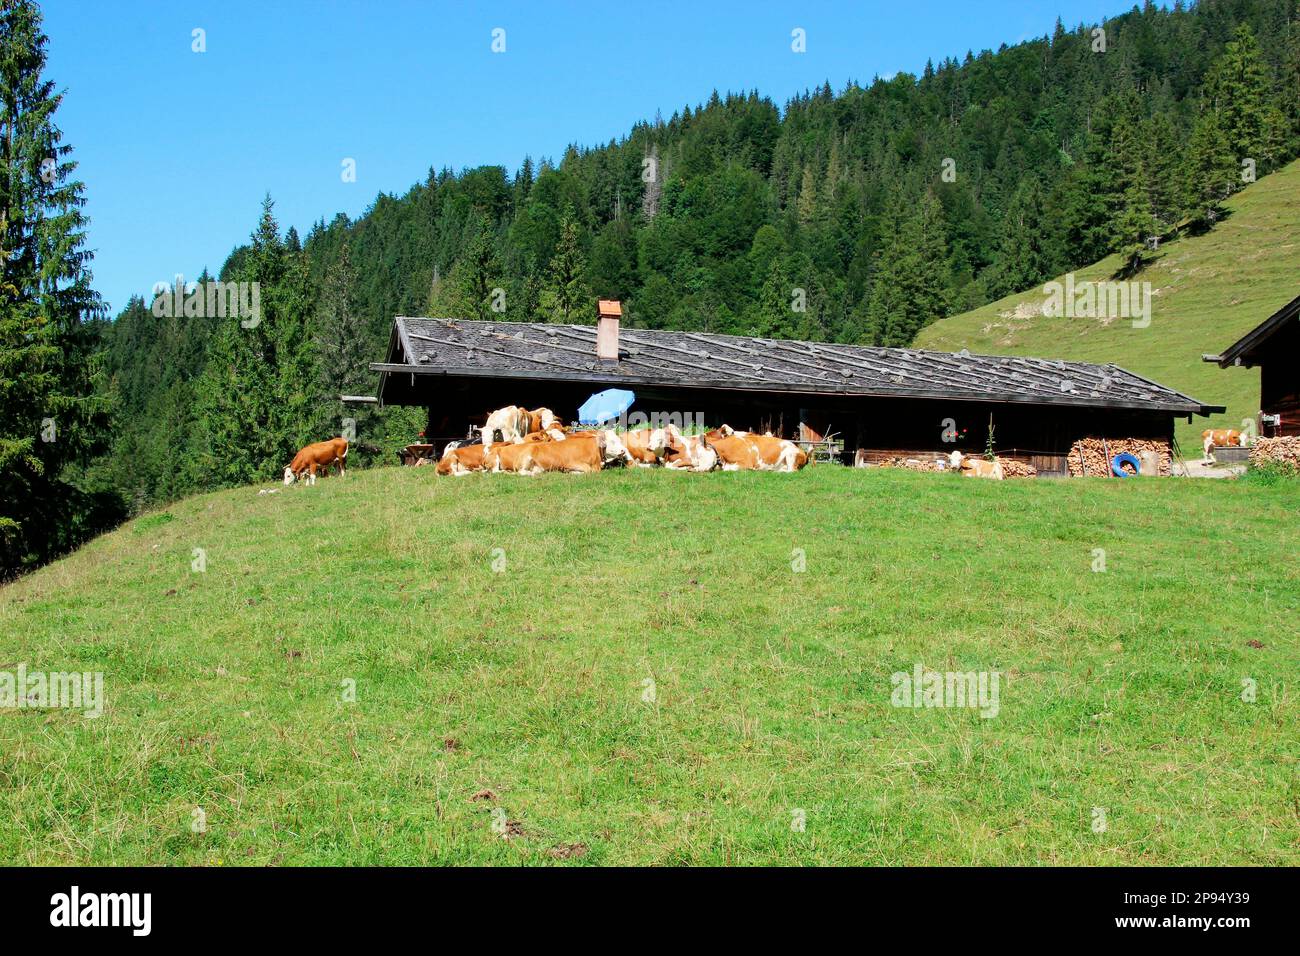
(605, 406)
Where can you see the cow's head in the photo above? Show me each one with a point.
(703, 458)
(955, 460)
(612, 447)
(288, 475)
(657, 442)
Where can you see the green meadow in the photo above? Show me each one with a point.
(642, 667)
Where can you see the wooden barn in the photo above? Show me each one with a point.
(1273, 346)
(879, 403)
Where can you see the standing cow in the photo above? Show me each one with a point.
(318, 456)
(1221, 438)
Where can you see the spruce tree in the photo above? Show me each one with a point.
(565, 291)
(1239, 90)
(255, 398)
(340, 340)
(1210, 174)
(56, 412)
(1022, 260)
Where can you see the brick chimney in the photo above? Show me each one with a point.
(607, 330)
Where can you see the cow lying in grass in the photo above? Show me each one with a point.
(688, 452)
(578, 453)
(745, 451)
(976, 467)
(318, 456)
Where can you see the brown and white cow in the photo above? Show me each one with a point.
(318, 456)
(578, 453)
(512, 422)
(543, 420)
(745, 451)
(688, 452)
(1221, 438)
(976, 467)
(460, 459)
(646, 446)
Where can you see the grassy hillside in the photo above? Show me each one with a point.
(1206, 292)
(226, 688)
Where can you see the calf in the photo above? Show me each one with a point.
(317, 456)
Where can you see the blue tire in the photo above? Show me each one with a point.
(1124, 459)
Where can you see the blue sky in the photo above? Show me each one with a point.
(177, 148)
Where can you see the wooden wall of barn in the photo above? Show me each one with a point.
(1280, 381)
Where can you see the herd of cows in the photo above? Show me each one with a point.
(532, 441)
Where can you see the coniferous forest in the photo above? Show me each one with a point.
(879, 207)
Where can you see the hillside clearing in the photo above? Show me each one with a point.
(1207, 291)
(1121, 692)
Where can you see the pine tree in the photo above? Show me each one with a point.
(478, 271)
(340, 338)
(1023, 260)
(565, 291)
(255, 398)
(1210, 174)
(1238, 88)
(933, 292)
(56, 412)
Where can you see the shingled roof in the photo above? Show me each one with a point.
(462, 347)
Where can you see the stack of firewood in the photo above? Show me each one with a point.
(911, 464)
(1098, 452)
(1285, 450)
(1017, 469)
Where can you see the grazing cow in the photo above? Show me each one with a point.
(688, 452)
(460, 459)
(317, 456)
(512, 422)
(646, 446)
(1221, 438)
(976, 467)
